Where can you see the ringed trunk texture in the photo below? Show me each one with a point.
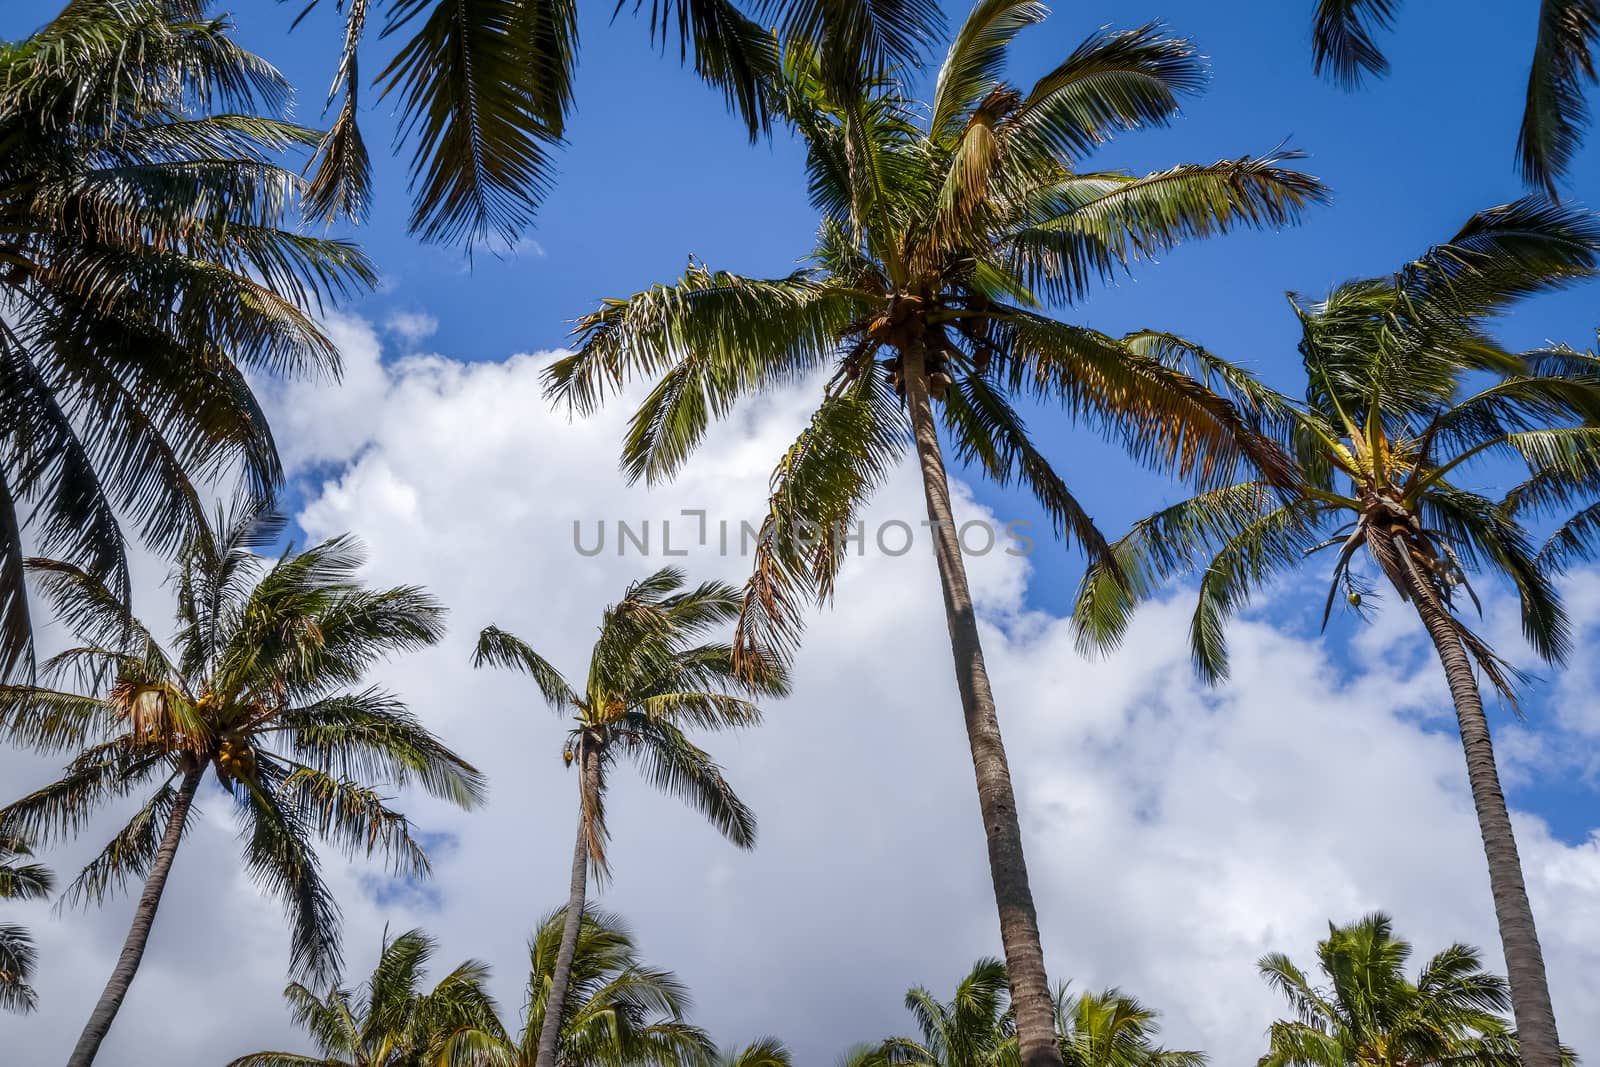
(1019, 924)
(1530, 990)
(561, 976)
(144, 917)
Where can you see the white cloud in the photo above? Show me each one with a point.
(1174, 833)
(412, 327)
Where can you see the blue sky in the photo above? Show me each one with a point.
(656, 170)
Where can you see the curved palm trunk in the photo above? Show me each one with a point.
(1530, 991)
(561, 976)
(1019, 924)
(144, 916)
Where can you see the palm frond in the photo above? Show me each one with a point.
(675, 765)
(478, 113)
(1115, 80)
(1342, 38)
(1557, 111)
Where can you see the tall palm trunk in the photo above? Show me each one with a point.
(1530, 991)
(1019, 924)
(561, 975)
(144, 916)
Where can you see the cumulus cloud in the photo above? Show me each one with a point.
(412, 327)
(1175, 833)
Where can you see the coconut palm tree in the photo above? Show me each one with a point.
(262, 690)
(1406, 391)
(484, 90)
(945, 229)
(389, 1022)
(19, 881)
(762, 1052)
(616, 1010)
(1370, 1015)
(1563, 67)
(648, 679)
(976, 1029)
(148, 261)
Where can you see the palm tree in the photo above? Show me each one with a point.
(616, 1011)
(944, 228)
(147, 262)
(1397, 408)
(1371, 1015)
(25, 881)
(976, 1029)
(762, 1052)
(484, 90)
(647, 680)
(261, 690)
(1556, 111)
(390, 1022)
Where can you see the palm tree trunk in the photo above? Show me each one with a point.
(1019, 924)
(144, 916)
(1530, 991)
(561, 975)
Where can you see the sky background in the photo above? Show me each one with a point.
(1175, 833)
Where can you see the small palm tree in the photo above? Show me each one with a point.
(260, 690)
(647, 680)
(762, 1052)
(484, 91)
(616, 1011)
(390, 1022)
(1393, 417)
(945, 230)
(1562, 69)
(1371, 1015)
(976, 1029)
(19, 881)
(149, 262)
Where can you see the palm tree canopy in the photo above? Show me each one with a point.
(762, 1052)
(484, 89)
(945, 229)
(652, 674)
(975, 1029)
(1406, 391)
(390, 1021)
(261, 687)
(1369, 1014)
(619, 1010)
(1344, 45)
(149, 261)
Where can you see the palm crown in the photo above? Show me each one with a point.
(650, 676)
(617, 1010)
(1405, 391)
(259, 688)
(942, 233)
(148, 261)
(389, 1021)
(1371, 1015)
(975, 1029)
